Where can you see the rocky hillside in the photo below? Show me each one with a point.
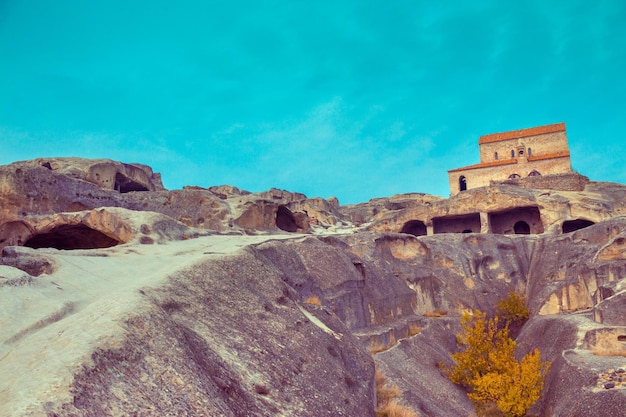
(118, 297)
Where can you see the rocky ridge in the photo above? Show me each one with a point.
(134, 300)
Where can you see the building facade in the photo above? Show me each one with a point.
(521, 153)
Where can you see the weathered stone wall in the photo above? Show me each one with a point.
(517, 153)
(562, 182)
(550, 143)
(480, 177)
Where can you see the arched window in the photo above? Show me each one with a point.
(521, 228)
(495, 156)
(530, 152)
(534, 173)
(514, 176)
(512, 153)
(462, 183)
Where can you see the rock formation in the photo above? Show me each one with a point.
(217, 301)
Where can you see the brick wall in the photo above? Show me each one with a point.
(480, 177)
(549, 154)
(561, 182)
(546, 144)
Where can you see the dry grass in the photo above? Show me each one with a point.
(487, 409)
(313, 300)
(387, 396)
(414, 329)
(385, 393)
(395, 409)
(609, 352)
(436, 313)
(377, 347)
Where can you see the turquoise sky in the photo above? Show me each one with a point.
(356, 99)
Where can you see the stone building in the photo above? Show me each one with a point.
(516, 154)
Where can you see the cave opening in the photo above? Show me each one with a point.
(123, 184)
(519, 220)
(285, 220)
(465, 223)
(414, 227)
(577, 224)
(70, 237)
(521, 228)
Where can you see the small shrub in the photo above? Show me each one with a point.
(487, 367)
(512, 309)
(313, 300)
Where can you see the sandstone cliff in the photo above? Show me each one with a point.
(270, 304)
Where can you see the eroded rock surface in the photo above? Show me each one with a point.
(210, 301)
(58, 185)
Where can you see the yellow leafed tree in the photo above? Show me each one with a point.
(487, 367)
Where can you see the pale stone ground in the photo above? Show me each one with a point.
(52, 325)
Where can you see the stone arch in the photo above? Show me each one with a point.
(521, 228)
(123, 184)
(414, 227)
(70, 237)
(285, 220)
(514, 176)
(576, 224)
(534, 173)
(462, 183)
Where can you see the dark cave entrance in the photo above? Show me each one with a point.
(519, 220)
(465, 223)
(69, 237)
(285, 220)
(521, 228)
(414, 227)
(572, 225)
(123, 184)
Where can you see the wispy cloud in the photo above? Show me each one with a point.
(323, 98)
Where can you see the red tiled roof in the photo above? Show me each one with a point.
(564, 154)
(549, 156)
(486, 165)
(522, 133)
